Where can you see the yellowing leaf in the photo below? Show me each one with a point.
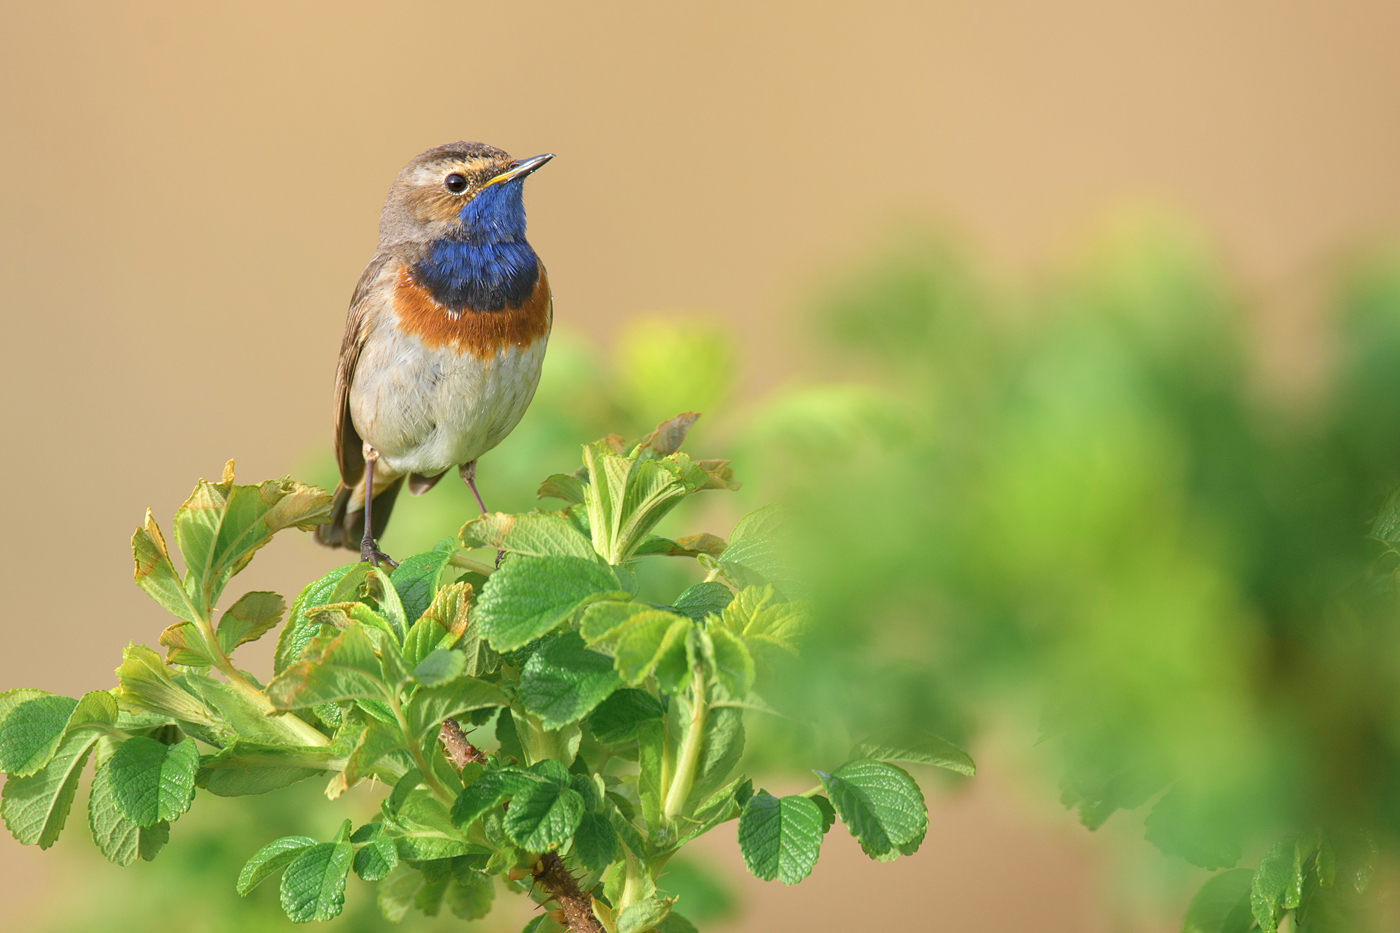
(248, 619)
(154, 571)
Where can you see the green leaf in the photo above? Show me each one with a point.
(377, 855)
(422, 640)
(678, 659)
(489, 790)
(720, 751)
(780, 838)
(562, 486)
(12, 698)
(723, 805)
(703, 599)
(221, 525)
(626, 496)
(595, 841)
(542, 924)
(375, 741)
(915, 746)
(118, 838)
(1277, 885)
(397, 892)
(828, 812)
(379, 589)
(651, 762)
(155, 573)
(1326, 865)
(416, 580)
(602, 622)
(440, 666)
(252, 616)
(532, 534)
(645, 641)
(148, 685)
(431, 705)
(563, 681)
(244, 768)
(754, 614)
(653, 489)
(675, 923)
(756, 543)
(423, 831)
(589, 786)
(94, 710)
(508, 736)
(36, 807)
(411, 780)
(1221, 905)
(150, 841)
(643, 915)
(299, 631)
(332, 668)
(733, 664)
(313, 887)
(270, 859)
(543, 816)
(618, 718)
(471, 893)
(552, 772)
(152, 782)
(31, 731)
(689, 546)
(1198, 827)
(880, 804)
(236, 710)
(528, 597)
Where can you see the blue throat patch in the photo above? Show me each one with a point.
(487, 265)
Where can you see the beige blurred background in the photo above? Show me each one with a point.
(188, 193)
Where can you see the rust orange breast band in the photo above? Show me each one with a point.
(480, 333)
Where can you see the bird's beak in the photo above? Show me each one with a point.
(520, 168)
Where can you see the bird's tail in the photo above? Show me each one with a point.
(347, 522)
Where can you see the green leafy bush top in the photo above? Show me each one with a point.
(619, 723)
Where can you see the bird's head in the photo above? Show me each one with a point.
(461, 191)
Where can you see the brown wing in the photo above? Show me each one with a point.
(349, 447)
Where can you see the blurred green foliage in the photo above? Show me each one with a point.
(1072, 501)
(1075, 500)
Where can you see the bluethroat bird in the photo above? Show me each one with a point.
(444, 339)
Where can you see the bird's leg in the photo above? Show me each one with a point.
(368, 550)
(468, 474)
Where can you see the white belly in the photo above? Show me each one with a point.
(426, 410)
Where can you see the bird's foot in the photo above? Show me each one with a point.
(369, 551)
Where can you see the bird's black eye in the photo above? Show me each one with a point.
(456, 182)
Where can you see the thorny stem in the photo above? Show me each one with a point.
(576, 905)
(454, 742)
(690, 751)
